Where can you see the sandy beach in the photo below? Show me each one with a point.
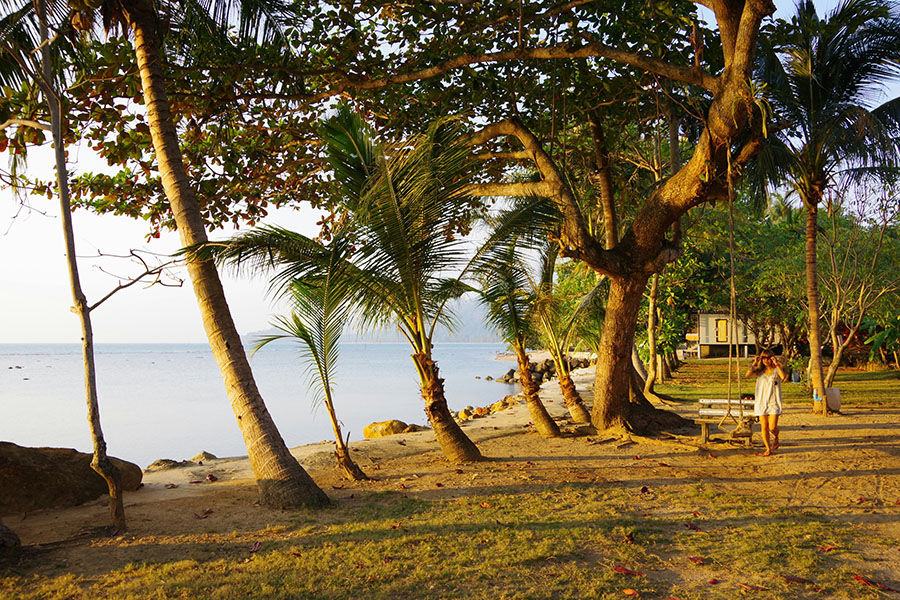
(842, 467)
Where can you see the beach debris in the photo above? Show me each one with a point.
(873, 584)
(693, 527)
(398, 525)
(698, 560)
(256, 546)
(171, 486)
(645, 489)
(625, 571)
(752, 588)
(714, 581)
(204, 514)
(210, 478)
(195, 481)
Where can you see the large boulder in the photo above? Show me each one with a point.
(33, 478)
(383, 428)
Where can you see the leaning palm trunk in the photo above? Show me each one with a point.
(282, 481)
(816, 375)
(100, 461)
(573, 401)
(543, 422)
(455, 445)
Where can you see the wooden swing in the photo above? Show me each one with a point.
(743, 423)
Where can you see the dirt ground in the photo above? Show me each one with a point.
(845, 467)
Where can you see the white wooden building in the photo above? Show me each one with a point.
(712, 336)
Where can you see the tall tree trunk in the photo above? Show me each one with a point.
(603, 180)
(100, 461)
(341, 452)
(812, 296)
(455, 445)
(543, 422)
(281, 480)
(638, 365)
(652, 361)
(613, 376)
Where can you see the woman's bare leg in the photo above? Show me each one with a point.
(773, 427)
(764, 422)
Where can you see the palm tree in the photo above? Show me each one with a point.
(320, 310)
(402, 212)
(823, 75)
(558, 330)
(505, 292)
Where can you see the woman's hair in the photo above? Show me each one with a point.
(757, 368)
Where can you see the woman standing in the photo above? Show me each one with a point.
(769, 376)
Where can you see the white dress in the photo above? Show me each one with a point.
(768, 394)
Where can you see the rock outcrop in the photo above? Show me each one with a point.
(392, 427)
(35, 478)
(544, 370)
(9, 541)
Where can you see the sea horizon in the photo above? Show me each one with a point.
(167, 400)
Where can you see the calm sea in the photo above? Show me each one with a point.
(168, 400)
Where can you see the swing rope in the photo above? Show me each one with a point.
(734, 360)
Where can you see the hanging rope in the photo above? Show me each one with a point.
(734, 371)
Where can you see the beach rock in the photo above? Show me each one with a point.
(203, 456)
(9, 541)
(466, 414)
(488, 378)
(35, 478)
(412, 428)
(167, 463)
(506, 403)
(482, 411)
(383, 428)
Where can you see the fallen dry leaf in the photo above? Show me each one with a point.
(713, 581)
(873, 584)
(630, 592)
(662, 464)
(697, 560)
(795, 579)
(485, 505)
(399, 523)
(171, 486)
(827, 548)
(629, 538)
(624, 571)
(196, 481)
(256, 546)
(692, 527)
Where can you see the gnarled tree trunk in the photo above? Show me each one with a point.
(543, 422)
(282, 481)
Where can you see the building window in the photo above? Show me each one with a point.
(721, 330)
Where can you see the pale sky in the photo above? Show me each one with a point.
(34, 288)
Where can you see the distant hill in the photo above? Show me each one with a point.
(468, 316)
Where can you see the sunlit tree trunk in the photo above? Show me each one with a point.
(100, 461)
(543, 422)
(282, 481)
(456, 445)
(613, 378)
(812, 296)
(342, 452)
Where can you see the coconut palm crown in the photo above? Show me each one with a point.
(403, 212)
